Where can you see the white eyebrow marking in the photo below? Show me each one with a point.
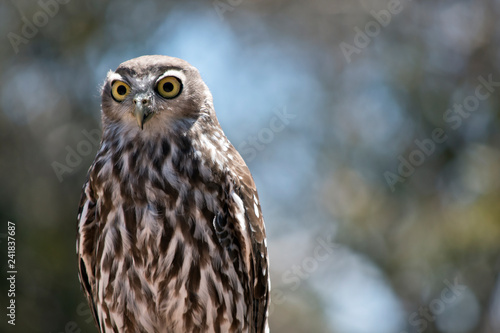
(112, 76)
(172, 72)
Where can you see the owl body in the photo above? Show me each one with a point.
(170, 233)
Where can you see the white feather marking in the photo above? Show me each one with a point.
(256, 210)
(240, 216)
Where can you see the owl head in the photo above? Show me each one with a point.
(154, 94)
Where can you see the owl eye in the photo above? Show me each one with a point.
(120, 90)
(169, 87)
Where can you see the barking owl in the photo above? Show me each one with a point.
(170, 230)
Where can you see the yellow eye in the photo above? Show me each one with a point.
(120, 90)
(169, 87)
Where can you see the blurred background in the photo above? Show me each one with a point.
(371, 128)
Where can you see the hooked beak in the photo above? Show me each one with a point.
(142, 110)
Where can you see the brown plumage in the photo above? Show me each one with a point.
(170, 231)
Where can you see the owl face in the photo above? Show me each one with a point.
(154, 93)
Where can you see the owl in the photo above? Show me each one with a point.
(170, 235)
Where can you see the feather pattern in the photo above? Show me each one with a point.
(171, 236)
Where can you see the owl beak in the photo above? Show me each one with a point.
(139, 115)
(142, 111)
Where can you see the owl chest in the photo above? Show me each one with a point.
(170, 269)
(168, 263)
(159, 250)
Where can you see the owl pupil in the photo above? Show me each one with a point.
(168, 86)
(121, 90)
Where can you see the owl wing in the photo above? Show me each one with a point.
(244, 209)
(86, 244)
(258, 255)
